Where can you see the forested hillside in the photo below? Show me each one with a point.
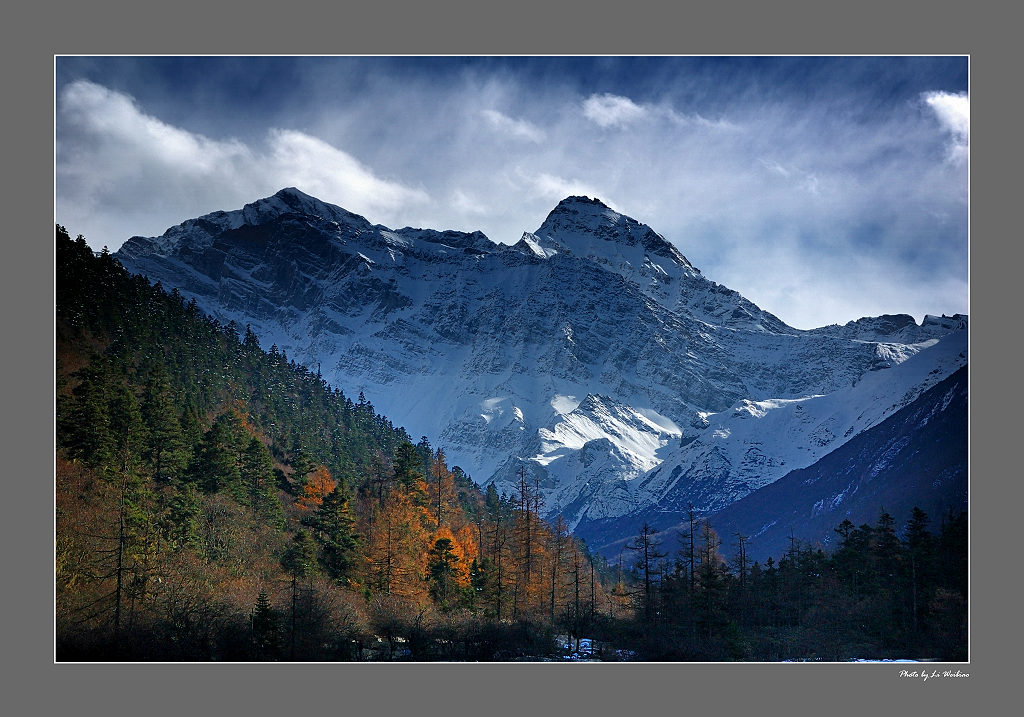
(215, 501)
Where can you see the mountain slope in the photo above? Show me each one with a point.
(915, 457)
(587, 349)
(757, 442)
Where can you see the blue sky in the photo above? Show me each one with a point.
(823, 189)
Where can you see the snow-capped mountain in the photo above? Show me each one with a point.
(591, 352)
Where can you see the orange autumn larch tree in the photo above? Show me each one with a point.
(317, 487)
(395, 548)
(441, 492)
(466, 538)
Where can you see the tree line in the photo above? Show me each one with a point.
(885, 591)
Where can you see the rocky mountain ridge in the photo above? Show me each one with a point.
(591, 352)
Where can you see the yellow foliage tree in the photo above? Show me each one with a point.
(396, 545)
(441, 492)
(467, 541)
(318, 487)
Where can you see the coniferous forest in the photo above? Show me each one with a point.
(216, 501)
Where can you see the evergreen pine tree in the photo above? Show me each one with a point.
(86, 430)
(261, 487)
(265, 637)
(165, 443)
(646, 545)
(216, 463)
(920, 552)
(443, 572)
(302, 464)
(180, 522)
(332, 528)
(136, 535)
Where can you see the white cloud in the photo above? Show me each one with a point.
(610, 110)
(774, 166)
(122, 172)
(954, 113)
(698, 120)
(463, 203)
(121, 136)
(807, 181)
(807, 289)
(331, 174)
(554, 188)
(519, 129)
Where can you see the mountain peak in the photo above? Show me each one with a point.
(589, 227)
(582, 200)
(292, 200)
(583, 212)
(198, 234)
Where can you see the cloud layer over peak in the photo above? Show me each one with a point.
(118, 167)
(823, 189)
